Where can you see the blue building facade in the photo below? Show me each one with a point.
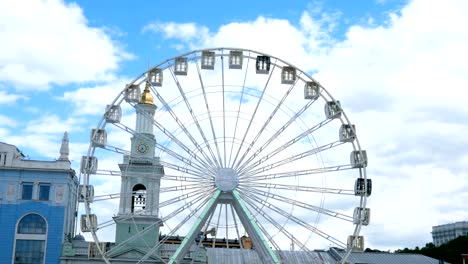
(37, 206)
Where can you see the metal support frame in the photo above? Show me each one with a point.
(253, 230)
(190, 237)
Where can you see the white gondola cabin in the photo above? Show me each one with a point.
(155, 77)
(360, 187)
(347, 133)
(288, 75)
(87, 226)
(98, 137)
(88, 164)
(263, 64)
(132, 93)
(333, 109)
(311, 90)
(208, 60)
(361, 215)
(358, 159)
(113, 113)
(180, 66)
(235, 59)
(356, 243)
(86, 193)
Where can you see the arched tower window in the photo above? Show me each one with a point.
(30, 239)
(138, 198)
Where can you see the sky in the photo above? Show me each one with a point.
(399, 68)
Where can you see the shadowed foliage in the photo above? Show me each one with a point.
(449, 252)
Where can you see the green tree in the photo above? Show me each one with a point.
(450, 252)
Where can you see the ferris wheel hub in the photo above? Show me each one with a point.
(226, 179)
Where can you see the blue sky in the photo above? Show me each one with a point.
(398, 67)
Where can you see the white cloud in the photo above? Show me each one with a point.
(51, 42)
(93, 100)
(402, 84)
(50, 124)
(7, 121)
(184, 31)
(275, 36)
(41, 137)
(8, 98)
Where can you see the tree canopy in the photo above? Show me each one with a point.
(450, 252)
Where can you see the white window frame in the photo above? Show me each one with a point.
(30, 236)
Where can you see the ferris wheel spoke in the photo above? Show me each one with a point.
(197, 226)
(137, 235)
(227, 224)
(267, 122)
(112, 196)
(288, 160)
(124, 217)
(208, 111)
(263, 229)
(217, 228)
(296, 173)
(205, 231)
(107, 173)
(294, 202)
(161, 147)
(154, 175)
(195, 119)
(251, 224)
(105, 224)
(253, 114)
(184, 129)
(294, 219)
(275, 223)
(288, 144)
(283, 230)
(184, 187)
(183, 197)
(109, 196)
(277, 134)
(224, 107)
(184, 160)
(267, 185)
(197, 167)
(239, 108)
(168, 177)
(168, 134)
(115, 149)
(184, 170)
(236, 227)
(181, 145)
(188, 204)
(152, 225)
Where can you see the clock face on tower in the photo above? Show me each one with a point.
(142, 148)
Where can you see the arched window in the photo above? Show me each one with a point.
(30, 239)
(138, 198)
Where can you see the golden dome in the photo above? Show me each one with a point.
(146, 97)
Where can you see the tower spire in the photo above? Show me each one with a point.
(64, 151)
(146, 97)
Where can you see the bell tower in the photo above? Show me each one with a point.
(137, 222)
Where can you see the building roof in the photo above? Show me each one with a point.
(234, 256)
(12, 158)
(331, 256)
(391, 258)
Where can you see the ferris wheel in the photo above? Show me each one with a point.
(227, 149)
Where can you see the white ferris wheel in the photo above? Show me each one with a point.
(223, 148)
